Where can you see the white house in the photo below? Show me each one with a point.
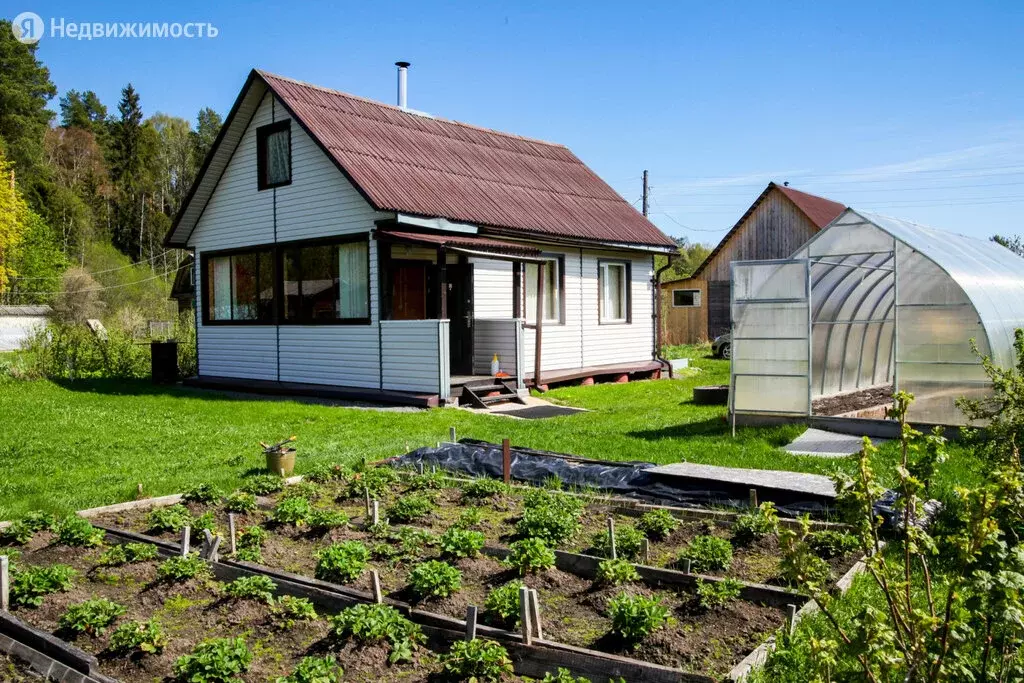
(349, 247)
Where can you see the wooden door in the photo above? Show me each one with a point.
(409, 291)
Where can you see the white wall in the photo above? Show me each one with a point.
(16, 329)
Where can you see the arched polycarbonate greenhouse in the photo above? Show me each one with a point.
(873, 303)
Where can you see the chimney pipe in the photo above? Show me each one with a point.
(403, 71)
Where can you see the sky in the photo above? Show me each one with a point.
(912, 109)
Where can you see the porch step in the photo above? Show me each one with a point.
(485, 394)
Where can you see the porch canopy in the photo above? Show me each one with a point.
(869, 302)
(471, 245)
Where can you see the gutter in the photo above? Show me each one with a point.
(657, 315)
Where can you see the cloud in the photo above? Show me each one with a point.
(942, 161)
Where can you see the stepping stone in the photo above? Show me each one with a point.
(818, 442)
(790, 482)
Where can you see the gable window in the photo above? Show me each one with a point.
(326, 283)
(613, 284)
(554, 282)
(685, 298)
(274, 154)
(240, 287)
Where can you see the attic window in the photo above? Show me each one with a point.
(274, 154)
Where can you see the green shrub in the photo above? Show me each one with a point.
(456, 542)
(469, 518)
(707, 553)
(616, 572)
(378, 480)
(29, 585)
(628, 542)
(657, 524)
(829, 544)
(170, 519)
(503, 601)
(221, 660)
(714, 594)
(91, 617)
(240, 501)
(342, 562)
(200, 493)
(634, 617)
(128, 553)
(434, 579)
(371, 623)
(292, 511)
(78, 532)
(563, 676)
(178, 569)
(263, 484)
(322, 520)
(138, 636)
(315, 670)
(325, 472)
(409, 508)
(255, 587)
(476, 660)
(289, 610)
(484, 488)
(755, 524)
(530, 555)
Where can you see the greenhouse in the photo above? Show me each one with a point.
(869, 305)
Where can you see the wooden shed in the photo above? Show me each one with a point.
(778, 223)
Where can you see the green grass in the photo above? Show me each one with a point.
(66, 446)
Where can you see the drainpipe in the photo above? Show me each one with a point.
(657, 315)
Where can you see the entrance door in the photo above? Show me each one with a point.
(460, 313)
(409, 290)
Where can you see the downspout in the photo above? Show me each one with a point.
(657, 315)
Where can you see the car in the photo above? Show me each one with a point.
(721, 347)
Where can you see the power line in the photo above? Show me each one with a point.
(123, 284)
(100, 272)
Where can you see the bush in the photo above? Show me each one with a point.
(634, 617)
(757, 523)
(138, 636)
(503, 601)
(178, 569)
(171, 519)
(326, 472)
(551, 523)
(616, 572)
(29, 585)
(200, 493)
(713, 594)
(288, 610)
(628, 542)
(476, 660)
(342, 562)
(315, 670)
(263, 484)
(456, 542)
(255, 587)
(829, 544)
(91, 617)
(469, 518)
(325, 520)
(240, 501)
(221, 660)
(291, 511)
(563, 676)
(374, 623)
(484, 488)
(70, 351)
(434, 579)
(657, 524)
(800, 564)
(128, 553)
(78, 532)
(409, 508)
(707, 553)
(530, 555)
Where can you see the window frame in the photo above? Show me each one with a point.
(698, 299)
(627, 266)
(204, 266)
(519, 289)
(262, 134)
(277, 253)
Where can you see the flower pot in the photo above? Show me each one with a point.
(282, 462)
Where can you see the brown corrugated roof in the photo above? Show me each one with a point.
(411, 163)
(821, 211)
(459, 241)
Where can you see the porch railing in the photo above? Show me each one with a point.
(502, 336)
(415, 357)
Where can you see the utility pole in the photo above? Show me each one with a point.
(645, 192)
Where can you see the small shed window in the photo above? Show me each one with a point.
(686, 298)
(274, 154)
(553, 294)
(614, 285)
(326, 283)
(240, 287)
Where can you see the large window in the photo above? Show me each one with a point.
(553, 285)
(614, 304)
(274, 155)
(685, 298)
(240, 287)
(326, 283)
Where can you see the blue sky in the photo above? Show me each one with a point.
(911, 109)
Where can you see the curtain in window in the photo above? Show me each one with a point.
(354, 277)
(278, 170)
(614, 292)
(552, 293)
(220, 288)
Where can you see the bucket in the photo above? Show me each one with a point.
(281, 462)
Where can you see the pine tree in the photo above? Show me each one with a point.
(127, 170)
(208, 124)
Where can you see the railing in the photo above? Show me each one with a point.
(502, 336)
(414, 356)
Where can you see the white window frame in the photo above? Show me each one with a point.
(696, 298)
(530, 307)
(603, 268)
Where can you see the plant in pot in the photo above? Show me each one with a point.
(280, 457)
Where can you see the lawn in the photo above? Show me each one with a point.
(66, 446)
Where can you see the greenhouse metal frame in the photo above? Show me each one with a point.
(872, 302)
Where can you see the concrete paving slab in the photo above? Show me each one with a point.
(793, 482)
(818, 442)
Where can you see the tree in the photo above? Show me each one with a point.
(1014, 244)
(85, 111)
(14, 214)
(689, 256)
(81, 185)
(131, 147)
(175, 161)
(208, 124)
(25, 89)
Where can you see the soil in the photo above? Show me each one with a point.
(13, 670)
(856, 400)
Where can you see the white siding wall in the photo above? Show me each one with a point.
(415, 355)
(492, 288)
(618, 343)
(496, 336)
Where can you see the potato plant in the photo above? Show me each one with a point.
(372, 623)
(342, 562)
(221, 660)
(476, 660)
(457, 542)
(616, 572)
(255, 587)
(30, 585)
(503, 602)
(530, 555)
(315, 670)
(138, 636)
(91, 617)
(657, 524)
(634, 617)
(77, 532)
(434, 579)
(290, 610)
(707, 553)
